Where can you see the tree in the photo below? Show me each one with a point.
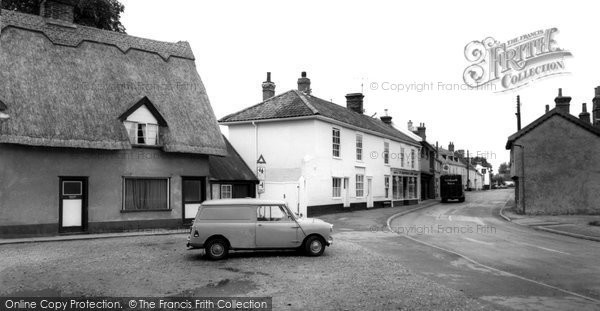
(103, 14)
(504, 169)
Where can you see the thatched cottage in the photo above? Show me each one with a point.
(99, 131)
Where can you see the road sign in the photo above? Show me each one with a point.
(261, 173)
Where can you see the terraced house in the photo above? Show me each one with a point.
(322, 157)
(101, 131)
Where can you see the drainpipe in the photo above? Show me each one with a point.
(256, 153)
(522, 173)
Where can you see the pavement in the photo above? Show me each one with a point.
(577, 226)
(93, 236)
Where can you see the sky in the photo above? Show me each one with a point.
(368, 46)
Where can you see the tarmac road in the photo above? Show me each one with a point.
(467, 246)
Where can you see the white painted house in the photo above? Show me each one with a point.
(322, 157)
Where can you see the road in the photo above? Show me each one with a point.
(498, 261)
(500, 266)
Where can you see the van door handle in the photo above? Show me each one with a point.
(260, 225)
(295, 227)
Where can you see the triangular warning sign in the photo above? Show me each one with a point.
(261, 160)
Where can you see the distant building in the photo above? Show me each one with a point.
(457, 163)
(430, 165)
(555, 161)
(322, 157)
(99, 131)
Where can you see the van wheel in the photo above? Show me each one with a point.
(314, 246)
(461, 200)
(216, 249)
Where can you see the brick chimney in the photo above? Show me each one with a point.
(547, 108)
(596, 108)
(58, 9)
(268, 88)
(451, 147)
(584, 115)
(386, 119)
(354, 102)
(421, 131)
(304, 83)
(562, 102)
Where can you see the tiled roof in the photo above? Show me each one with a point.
(230, 167)
(62, 33)
(554, 112)
(294, 103)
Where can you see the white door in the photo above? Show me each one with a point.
(72, 208)
(346, 192)
(369, 192)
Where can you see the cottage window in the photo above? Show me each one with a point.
(226, 192)
(336, 142)
(359, 147)
(336, 187)
(142, 133)
(360, 185)
(386, 153)
(412, 158)
(146, 194)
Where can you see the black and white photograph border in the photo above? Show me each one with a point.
(270, 155)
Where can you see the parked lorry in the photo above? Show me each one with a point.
(451, 188)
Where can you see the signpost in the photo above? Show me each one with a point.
(261, 172)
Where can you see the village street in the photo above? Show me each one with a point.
(367, 267)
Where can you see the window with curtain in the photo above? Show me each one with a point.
(142, 133)
(146, 194)
(226, 192)
(386, 153)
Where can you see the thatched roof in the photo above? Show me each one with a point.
(67, 85)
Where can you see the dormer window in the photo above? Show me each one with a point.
(142, 133)
(143, 122)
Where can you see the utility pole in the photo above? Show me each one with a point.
(518, 114)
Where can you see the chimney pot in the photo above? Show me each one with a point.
(354, 102)
(268, 88)
(547, 108)
(596, 108)
(421, 131)
(562, 102)
(304, 83)
(584, 115)
(58, 9)
(386, 119)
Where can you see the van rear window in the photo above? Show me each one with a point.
(226, 213)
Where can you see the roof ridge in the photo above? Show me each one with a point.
(306, 102)
(255, 105)
(73, 36)
(535, 123)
